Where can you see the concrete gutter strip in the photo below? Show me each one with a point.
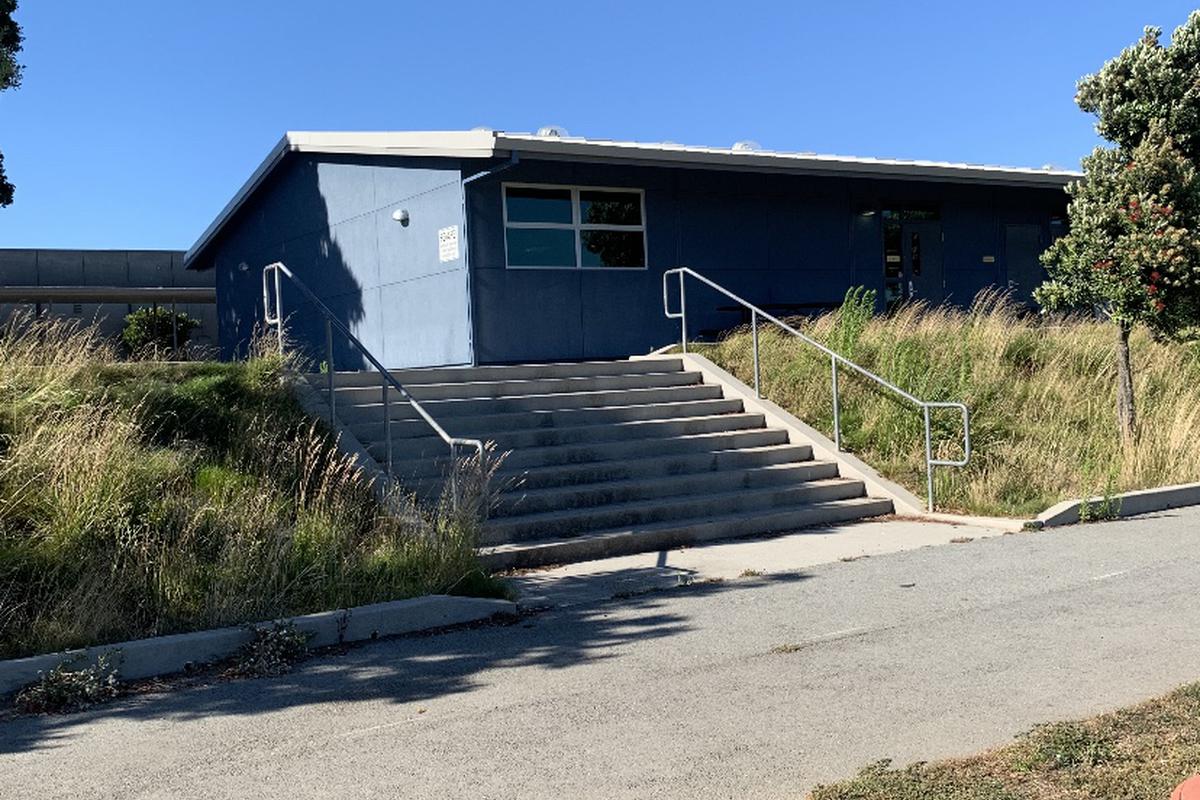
(163, 655)
(1129, 504)
(1007, 524)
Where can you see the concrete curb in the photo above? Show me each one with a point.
(1131, 504)
(163, 655)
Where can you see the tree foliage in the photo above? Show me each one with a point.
(1134, 245)
(10, 74)
(1149, 84)
(1133, 249)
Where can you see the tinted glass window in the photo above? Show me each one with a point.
(610, 208)
(541, 247)
(892, 242)
(538, 205)
(612, 249)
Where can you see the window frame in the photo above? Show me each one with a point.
(576, 225)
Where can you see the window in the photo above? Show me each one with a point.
(574, 227)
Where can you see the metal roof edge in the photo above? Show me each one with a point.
(811, 163)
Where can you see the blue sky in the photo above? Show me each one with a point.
(139, 119)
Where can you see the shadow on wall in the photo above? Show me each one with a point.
(289, 222)
(407, 669)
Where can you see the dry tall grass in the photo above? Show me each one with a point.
(140, 499)
(1041, 394)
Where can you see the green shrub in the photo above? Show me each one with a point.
(1062, 745)
(151, 329)
(851, 320)
(271, 651)
(65, 688)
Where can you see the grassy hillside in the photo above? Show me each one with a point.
(1040, 392)
(146, 498)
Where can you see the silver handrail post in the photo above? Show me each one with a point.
(754, 335)
(387, 424)
(682, 314)
(453, 477)
(278, 268)
(836, 360)
(266, 297)
(928, 457)
(279, 310)
(329, 371)
(837, 406)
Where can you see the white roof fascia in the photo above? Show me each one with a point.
(811, 163)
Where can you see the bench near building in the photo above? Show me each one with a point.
(485, 247)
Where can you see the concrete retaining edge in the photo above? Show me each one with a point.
(163, 655)
(313, 403)
(904, 501)
(1143, 501)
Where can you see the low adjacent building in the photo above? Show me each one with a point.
(103, 286)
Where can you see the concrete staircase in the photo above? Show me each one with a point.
(604, 457)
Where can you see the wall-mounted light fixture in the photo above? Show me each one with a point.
(401, 216)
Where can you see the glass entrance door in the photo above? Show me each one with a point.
(912, 256)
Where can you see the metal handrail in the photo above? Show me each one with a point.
(387, 379)
(834, 360)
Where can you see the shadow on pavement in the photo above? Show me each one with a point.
(405, 669)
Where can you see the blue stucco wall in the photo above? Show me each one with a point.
(775, 239)
(329, 218)
(772, 239)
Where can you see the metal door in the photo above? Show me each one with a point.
(921, 251)
(1022, 246)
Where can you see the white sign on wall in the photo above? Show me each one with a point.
(448, 244)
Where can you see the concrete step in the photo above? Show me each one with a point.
(445, 410)
(653, 467)
(535, 457)
(359, 395)
(585, 369)
(571, 522)
(518, 500)
(601, 458)
(675, 533)
(487, 425)
(425, 446)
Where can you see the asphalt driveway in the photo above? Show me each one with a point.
(748, 687)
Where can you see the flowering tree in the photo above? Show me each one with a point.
(1133, 250)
